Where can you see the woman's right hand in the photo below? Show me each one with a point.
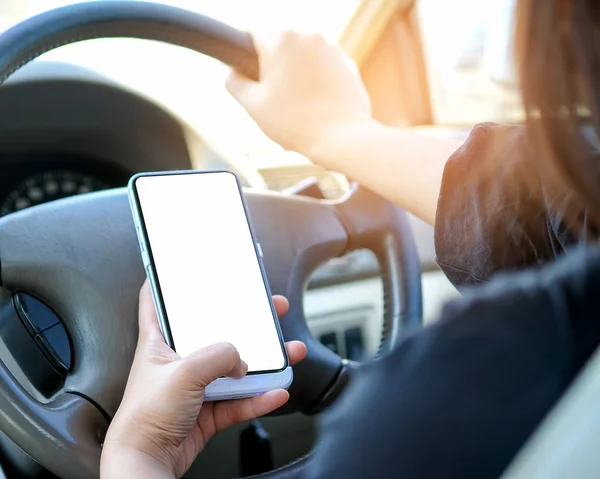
(309, 92)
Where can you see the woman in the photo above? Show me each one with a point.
(461, 397)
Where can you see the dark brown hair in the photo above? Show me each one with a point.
(557, 46)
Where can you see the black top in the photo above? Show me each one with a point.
(459, 399)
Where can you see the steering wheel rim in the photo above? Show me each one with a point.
(69, 245)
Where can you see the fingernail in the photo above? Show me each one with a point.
(244, 366)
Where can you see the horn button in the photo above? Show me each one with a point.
(46, 329)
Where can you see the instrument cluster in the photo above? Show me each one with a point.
(30, 180)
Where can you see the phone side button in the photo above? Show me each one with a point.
(140, 241)
(260, 251)
(145, 259)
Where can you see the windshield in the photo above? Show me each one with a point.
(188, 83)
(468, 51)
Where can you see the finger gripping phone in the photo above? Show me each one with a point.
(206, 273)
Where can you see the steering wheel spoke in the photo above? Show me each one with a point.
(297, 235)
(377, 225)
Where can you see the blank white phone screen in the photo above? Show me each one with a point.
(207, 267)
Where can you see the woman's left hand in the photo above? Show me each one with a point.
(163, 423)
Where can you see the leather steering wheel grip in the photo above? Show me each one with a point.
(148, 21)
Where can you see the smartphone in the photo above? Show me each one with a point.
(207, 276)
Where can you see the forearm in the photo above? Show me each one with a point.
(402, 166)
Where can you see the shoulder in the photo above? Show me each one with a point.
(552, 309)
(491, 212)
(479, 380)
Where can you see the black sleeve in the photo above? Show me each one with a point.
(459, 399)
(491, 213)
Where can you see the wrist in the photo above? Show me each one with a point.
(338, 143)
(125, 462)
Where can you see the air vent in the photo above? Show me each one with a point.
(348, 343)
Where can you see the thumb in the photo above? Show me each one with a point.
(219, 360)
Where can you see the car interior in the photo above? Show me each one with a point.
(146, 93)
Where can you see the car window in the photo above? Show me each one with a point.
(468, 51)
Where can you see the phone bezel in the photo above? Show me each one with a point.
(153, 274)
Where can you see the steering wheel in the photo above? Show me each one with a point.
(80, 256)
